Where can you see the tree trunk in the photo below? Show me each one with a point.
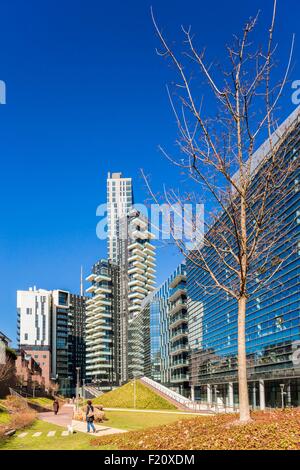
(242, 364)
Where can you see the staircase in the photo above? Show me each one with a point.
(175, 398)
(92, 392)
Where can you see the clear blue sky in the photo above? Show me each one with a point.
(85, 95)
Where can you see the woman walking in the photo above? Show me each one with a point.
(90, 416)
(55, 406)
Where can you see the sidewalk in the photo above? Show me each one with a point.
(176, 412)
(81, 426)
(64, 418)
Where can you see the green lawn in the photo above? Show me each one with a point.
(139, 420)
(123, 397)
(44, 402)
(78, 441)
(81, 441)
(4, 415)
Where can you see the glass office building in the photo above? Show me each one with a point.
(170, 300)
(272, 319)
(144, 342)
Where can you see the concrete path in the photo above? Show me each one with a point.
(100, 430)
(136, 410)
(64, 418)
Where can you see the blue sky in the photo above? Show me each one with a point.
(86, 95)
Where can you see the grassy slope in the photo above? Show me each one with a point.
(45, 402)
(122, 397)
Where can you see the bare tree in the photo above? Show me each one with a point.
(7, 370)
(246, 186)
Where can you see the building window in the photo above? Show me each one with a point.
(26, 336)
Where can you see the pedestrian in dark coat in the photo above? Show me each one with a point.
(55, 406)
(90, 416)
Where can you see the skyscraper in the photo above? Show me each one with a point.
(119, 203)
(119, 285)
(102, 326)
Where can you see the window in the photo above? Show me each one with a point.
(26, 336)
(29, 311)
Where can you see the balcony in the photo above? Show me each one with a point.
(178, 349)
(135, 269)
(176, 294)
(177, 308)
(136, 295)
(90, 278)
(180, 364)
(91, 289)
(178, 320)
(102, 277)
(133, 258)
(177, 334)
(180, 378)
(179, 278)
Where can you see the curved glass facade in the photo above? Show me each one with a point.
(273, 314)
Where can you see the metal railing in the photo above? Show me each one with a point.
(195, 406)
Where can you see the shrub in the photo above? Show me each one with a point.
(15, 404)
(22, 419)
(99, 415)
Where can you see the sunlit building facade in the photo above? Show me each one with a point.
(273, 315)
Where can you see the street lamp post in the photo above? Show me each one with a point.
(282, 395)
(254, 396)
(77, 388)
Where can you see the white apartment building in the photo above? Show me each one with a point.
(34, 323)
(47, 321)
(34, 317)
(119, 202)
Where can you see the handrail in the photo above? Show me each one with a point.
(192, 405)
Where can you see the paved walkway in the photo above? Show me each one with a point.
(64, 418)
(137, 410)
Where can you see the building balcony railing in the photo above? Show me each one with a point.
(178, 319)
(177, 308)
(177, 293)
(178, 349)
(179, 364)
(180, 378)
(179, 278)
(177, 334)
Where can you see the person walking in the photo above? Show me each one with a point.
(55, 406)
(90, 416)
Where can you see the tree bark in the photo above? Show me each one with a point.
(242, 363)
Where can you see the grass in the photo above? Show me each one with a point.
(275, 430)
(78, 441)
(81, 441)
(4, 415)
(123, 397)
(42, 401)
(139, 420)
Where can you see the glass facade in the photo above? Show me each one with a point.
(273, 315)
(170, 301)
